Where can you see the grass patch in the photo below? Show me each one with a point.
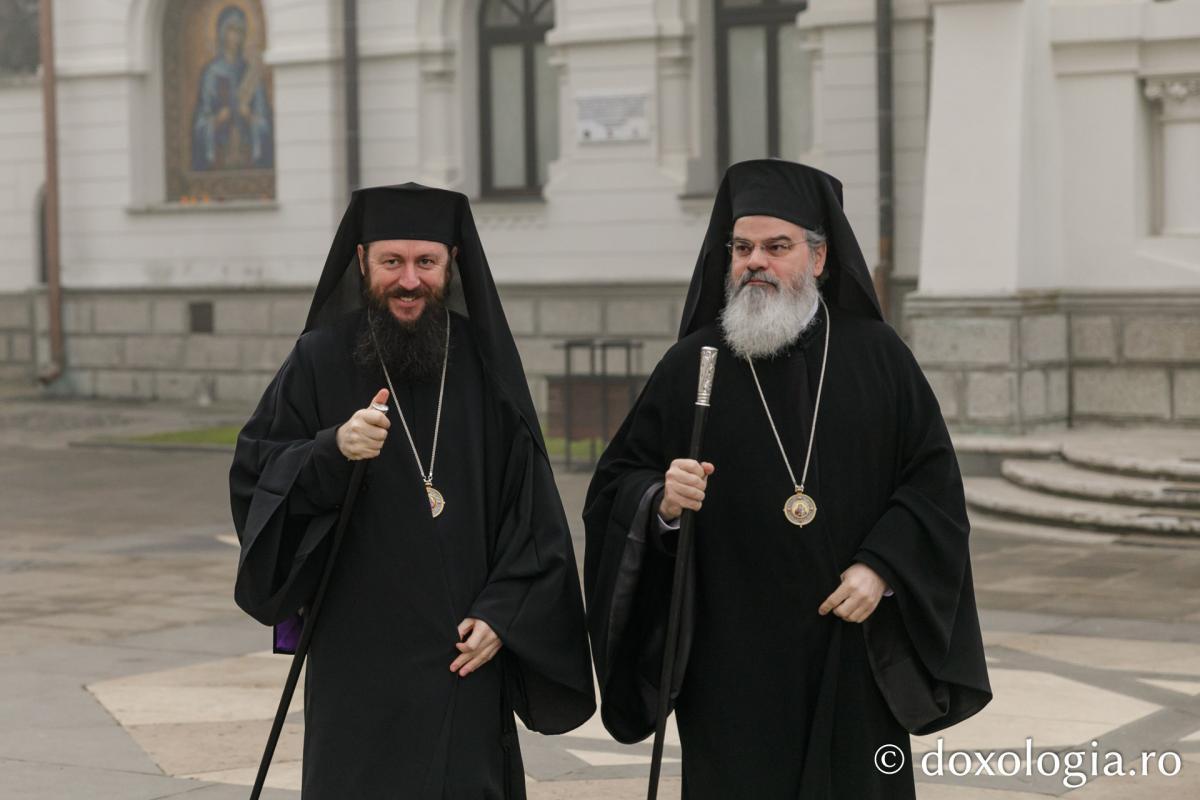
(581, 449)
(219, 435)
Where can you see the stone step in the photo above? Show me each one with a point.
(1064, 478)
(983, 454)
(1168, 455)
(984, 523)
(1001, 497)
(1009, 446)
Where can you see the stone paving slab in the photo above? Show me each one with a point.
(116, 575)
(45, 778)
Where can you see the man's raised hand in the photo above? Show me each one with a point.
(683, 487)
(362, 436)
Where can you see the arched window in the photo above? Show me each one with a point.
(764, 82)
(219, 127)
(518, 95)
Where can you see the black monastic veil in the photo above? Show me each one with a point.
(384, 716)
(774, 701)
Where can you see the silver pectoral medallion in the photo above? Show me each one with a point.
(437, 503)
(800, 509)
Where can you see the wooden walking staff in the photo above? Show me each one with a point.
(683, 553)
(310, 622)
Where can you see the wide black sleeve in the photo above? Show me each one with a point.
(924, 643)
(532, 598)
(628, 570)
(286, 483)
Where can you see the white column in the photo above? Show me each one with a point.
(1129, 210)
(969, 242)
(992, 218)
(674, 107)
(1179, 121)
(438, 143)
(840, 41)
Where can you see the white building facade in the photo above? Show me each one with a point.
(1047, 159)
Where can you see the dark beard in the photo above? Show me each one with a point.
(413, 352)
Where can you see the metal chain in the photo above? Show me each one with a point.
(816, 407)
(428, 479)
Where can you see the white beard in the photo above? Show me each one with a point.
(759, 322)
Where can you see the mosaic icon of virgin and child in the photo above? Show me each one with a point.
(231, 126)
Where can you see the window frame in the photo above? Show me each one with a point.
(528, 33)
(772, 15)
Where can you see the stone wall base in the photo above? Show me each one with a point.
(1052, 360)
(226, 344)
(1011, 364)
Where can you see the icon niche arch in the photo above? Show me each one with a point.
(218, 102)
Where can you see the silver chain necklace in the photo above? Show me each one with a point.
(437, 503)
(800, 509)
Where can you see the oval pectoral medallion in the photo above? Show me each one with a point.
(437, 503)
(800, 509)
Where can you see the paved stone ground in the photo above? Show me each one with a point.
(127, 672)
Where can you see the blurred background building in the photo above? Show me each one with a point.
(1044, 176)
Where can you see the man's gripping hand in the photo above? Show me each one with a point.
(683, 487)
(478, 645)
(362, 435)
(857, 596)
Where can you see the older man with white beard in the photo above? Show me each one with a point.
(829, 609)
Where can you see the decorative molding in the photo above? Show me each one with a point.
(438, 64)
(489, 222)
(116, 67)
(227, 206)
(21, 81)
(624, 34)
(841, 13)
(369, 49)
(920, 304)
(675, 51)
(1097, 58)
(1177, 89)
(1092, 23)
(381, 47)
(294, 54)
(1130, 301)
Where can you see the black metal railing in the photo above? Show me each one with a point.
(589, 405)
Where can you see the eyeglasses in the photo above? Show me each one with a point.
(741, 249)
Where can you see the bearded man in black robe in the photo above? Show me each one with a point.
(454, 599)
(829, 608)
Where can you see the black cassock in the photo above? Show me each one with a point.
(774, 701)
(384, 716)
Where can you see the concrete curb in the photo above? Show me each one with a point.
(129, 444)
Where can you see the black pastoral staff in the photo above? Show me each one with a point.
(454, 600)
(829, 609)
